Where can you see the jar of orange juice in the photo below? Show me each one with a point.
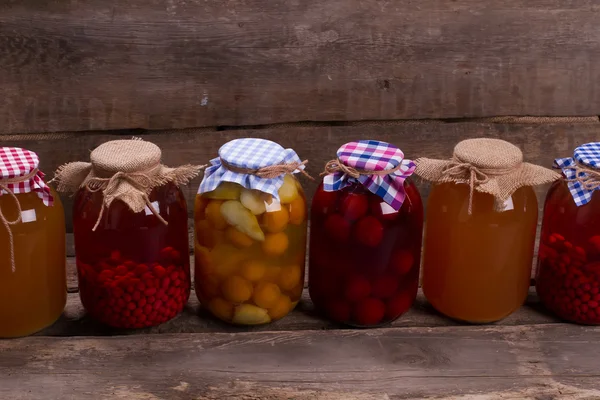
(480, 229)
(33, 288)
(250, 225)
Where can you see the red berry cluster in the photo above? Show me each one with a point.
(364, 257)
(126, 294)
(567, 282)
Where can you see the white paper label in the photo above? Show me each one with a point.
(386, 208)
(156, 207)
(274, 206)
(28, 216)
(508, 205)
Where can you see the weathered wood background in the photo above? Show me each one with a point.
(311, 75)
(160, 64)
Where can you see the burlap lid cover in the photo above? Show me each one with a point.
(125, 170)
(490, 166)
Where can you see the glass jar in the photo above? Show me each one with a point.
(250, 246)
(364, 256)
(133, 264)
(479, 244)
(568, 270)
(33, 289)
(364, 253)
(133, 270)
(477, 268)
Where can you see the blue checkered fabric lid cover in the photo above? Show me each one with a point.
(587, 155)
(253, 154)
(373, 155)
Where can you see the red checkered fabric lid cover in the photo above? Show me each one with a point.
(17, 163)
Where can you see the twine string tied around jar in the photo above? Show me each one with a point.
(476, 176)
(336, 165)
(588, 177)
(4, 186)
(270, 171)
(141, 181)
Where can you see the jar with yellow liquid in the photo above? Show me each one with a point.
(33, 288)
(480, 229)
(250, 233)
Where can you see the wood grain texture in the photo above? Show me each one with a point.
(75, 322)
(556, 361)
(540, 145)
(158, 64)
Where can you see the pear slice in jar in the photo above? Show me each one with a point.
(225, 191)
(247, 314)
(253, 201)
(240, 217)
(288, 192)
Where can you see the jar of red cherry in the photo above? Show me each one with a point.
(131, 235)
(365, 236)
(568, 272)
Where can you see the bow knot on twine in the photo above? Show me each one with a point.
(472, 175)
(336, 165)
(4, 182)
(126, 170)
(270, 171)
(490, 166)
(589, 178)
(140, 182)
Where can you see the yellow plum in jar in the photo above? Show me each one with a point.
(247, 314)
(290, 277)
(221, 308)
(253, 270)
(236, 289)
(281, 308)
(275, 244)
(266, 294)
(276, 221)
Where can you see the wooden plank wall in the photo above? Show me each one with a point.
(160, 64)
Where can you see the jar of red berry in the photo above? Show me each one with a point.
(365, 236)
(131, 235)
(568, 271)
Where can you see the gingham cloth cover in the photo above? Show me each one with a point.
(373, 155)
(16, 162)
(248, 153)
(588, 155)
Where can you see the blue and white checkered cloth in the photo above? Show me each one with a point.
(373, 155)
(253, 154)
(587, 155)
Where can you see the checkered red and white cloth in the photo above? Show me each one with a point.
(373, 155)
(15, 163)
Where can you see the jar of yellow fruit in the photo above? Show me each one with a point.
(250, 226)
